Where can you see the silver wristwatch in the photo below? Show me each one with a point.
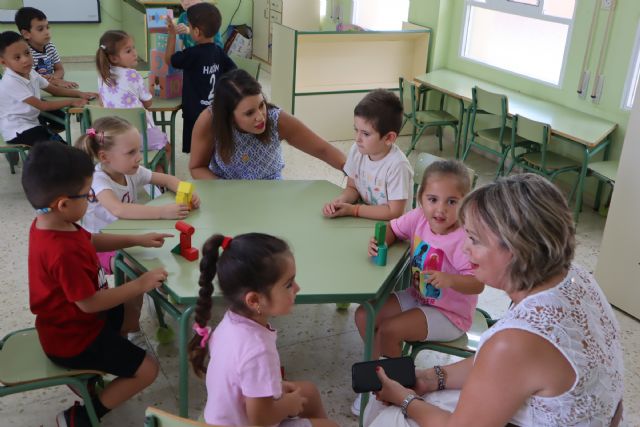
(407, 400)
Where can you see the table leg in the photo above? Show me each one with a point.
(172, 139)
(184, 362)
(587, 155)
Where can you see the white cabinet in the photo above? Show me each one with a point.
(303, 15)
(321, 76)
(618, 269)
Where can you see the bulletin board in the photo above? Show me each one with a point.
(62, 11)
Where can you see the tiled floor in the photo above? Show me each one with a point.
(316, 342)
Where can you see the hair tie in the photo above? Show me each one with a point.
(203, 332)
(103, 47)
(226, 241)
(91, 132)
(99, 136)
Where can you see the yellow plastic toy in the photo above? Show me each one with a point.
(184, 193)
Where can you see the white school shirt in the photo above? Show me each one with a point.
(97, 216)
(16, 116)
(377, 182)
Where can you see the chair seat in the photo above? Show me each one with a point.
(493, 135)
(4, 147)
(554, 161)
(22, 360)
(465, 345)
(434, 117)
(607, 169)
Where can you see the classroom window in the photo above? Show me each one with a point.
(526, 37)
(380, 15)
(633, 75)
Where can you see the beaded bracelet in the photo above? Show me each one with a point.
(442, 377)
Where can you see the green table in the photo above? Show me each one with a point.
(592, 134)
(331, 258)
(88, 81)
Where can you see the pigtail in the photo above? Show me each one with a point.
(208, 266)
(86, 143)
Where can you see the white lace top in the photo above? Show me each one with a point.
(576, 318)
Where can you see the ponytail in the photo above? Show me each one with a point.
(102, 136)
(208, 266)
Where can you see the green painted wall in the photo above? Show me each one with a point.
(82, 39)
(448, 30)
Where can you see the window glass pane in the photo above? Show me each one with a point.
(381, 15)
(559, 8)
(527, 46)
(531, 2)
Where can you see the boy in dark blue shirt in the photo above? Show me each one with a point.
(202, 64)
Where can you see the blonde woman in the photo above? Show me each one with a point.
(555, 358)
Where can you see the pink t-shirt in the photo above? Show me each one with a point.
(446, 251)
(244, 363)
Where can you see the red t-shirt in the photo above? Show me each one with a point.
(63, 269)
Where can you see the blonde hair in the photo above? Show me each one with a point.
(108, 46)
(102, 136)
(454, 168)
(531, 219)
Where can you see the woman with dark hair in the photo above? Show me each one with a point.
(239, 136)
(554, 359)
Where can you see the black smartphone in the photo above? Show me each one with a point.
(364, 378)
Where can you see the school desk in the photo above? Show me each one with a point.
(331, 254)
(88, 81)
(591, 134)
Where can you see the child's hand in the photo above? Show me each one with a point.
(171, 27)
(174, 211)
(63, 83)
(195, 200)
(182, 29)
(288, 387)
(341, 209)
(153, 240)
(78, 102)
(153, 279)
(295, 402)
(440, 279)
(373, 247)
(328, 209)
(88, 95)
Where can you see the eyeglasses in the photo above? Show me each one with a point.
(90, 196)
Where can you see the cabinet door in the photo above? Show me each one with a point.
(261, 29)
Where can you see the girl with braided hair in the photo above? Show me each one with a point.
(256, 274)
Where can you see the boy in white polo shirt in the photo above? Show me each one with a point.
(20, 102)
(378, 172)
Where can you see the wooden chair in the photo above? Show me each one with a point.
(422, 161)
(138, 118)
(498, 138)
(12, 152)
(251, 66)
(537, 157)
(25, 367)
(423, 118)
(155, 417)
(465, 346)
(606, 171)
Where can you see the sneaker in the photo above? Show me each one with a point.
(75, 416)
(355, 406)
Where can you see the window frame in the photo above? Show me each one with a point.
(519, 9)
(634, 69)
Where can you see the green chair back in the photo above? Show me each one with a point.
(492, 103)
(155, 417)
(25, 367)
(423, 117)
(251, 66)
(533, 131)
(138, 118)
(423, 160)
